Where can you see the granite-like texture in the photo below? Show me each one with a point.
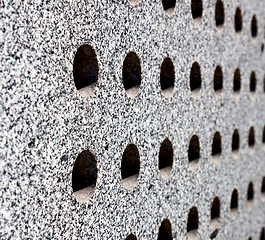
(45, 123)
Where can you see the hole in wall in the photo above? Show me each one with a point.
(217, 145)
(196, 9)
(262, 48)
(192, 224)
(85, 70)
(165, 230)
(234, 204)
(130, 166)
(254, 26)
(252, 82)
(194, 152)
(263, 189)
(169, 6)
(251, 137)
(166, 158)
(238, 20)
(219, 13)
(235, 142)
(264, 83)
(250, 195)
(218, 79)
(84, 176)
(131, 74)
(215, 213)
(237, 81)
(262, 234)
(167, 77)
(195, 77)
(250, 238)
(131, 237)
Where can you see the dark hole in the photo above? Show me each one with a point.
(237, 80)
(263, 137)
(193, 219)
(215, 210)
(251, 137)
(262, 48)
(131, 237)
(196, 8)
(218, 79)
(194, 149)
(214, 234)
(85, 67)
(168, 4)
(131, 71)
(130, 164)
(234, 200)
(219, 13)
(235, 141)
(252, 85)
(262, 234)
(217, 144)
(263, 186)
(250, 191)
(84, 171)
(167, 74)
(195, 77)
(250, 238)
(238, 20)
(166, 154)
(165, 231)
(254, 26)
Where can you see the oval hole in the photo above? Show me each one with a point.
(251, 137)
(252, 82)
(192, 224)
(218, 79)
(237, 81)
(195, 78)
(131, 237)
(194, 152)
(167, 77)
(215, 213)
(254, 26)
(235, 142)
(169, 6)
(84, 176)
(166, 158)
(219, 13)
(85, 70)
(238, 20)
(196, 9)
(234, 204)
(131, 74)
(130, 166)
(165, 230)
(250, 195)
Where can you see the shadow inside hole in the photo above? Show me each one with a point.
(130, 166)
(219, 13)
(166, 158)
(214, 234)
(235, 141)
(252, 84)
(218, 79)
(169, 6)
(217, 144)
(263, 137)
(234, 204)
(251, 137)
(254, 26)
(192, 223)
(195, 77)
(250, 195)
(84, 176)
(215, 213)
(237, 80)
(165, 230)
(238, 20)
(131, 237)
(85, 69)
(262, 234)
(196, 9)
(131, 74)
(194, 152)
(167, 77)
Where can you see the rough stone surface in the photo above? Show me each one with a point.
(45, 122)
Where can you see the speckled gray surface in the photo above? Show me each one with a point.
(45, 123)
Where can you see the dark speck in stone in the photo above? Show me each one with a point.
(64, 158)
(214, 234)
(31, 143)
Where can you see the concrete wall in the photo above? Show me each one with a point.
(97, 145)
